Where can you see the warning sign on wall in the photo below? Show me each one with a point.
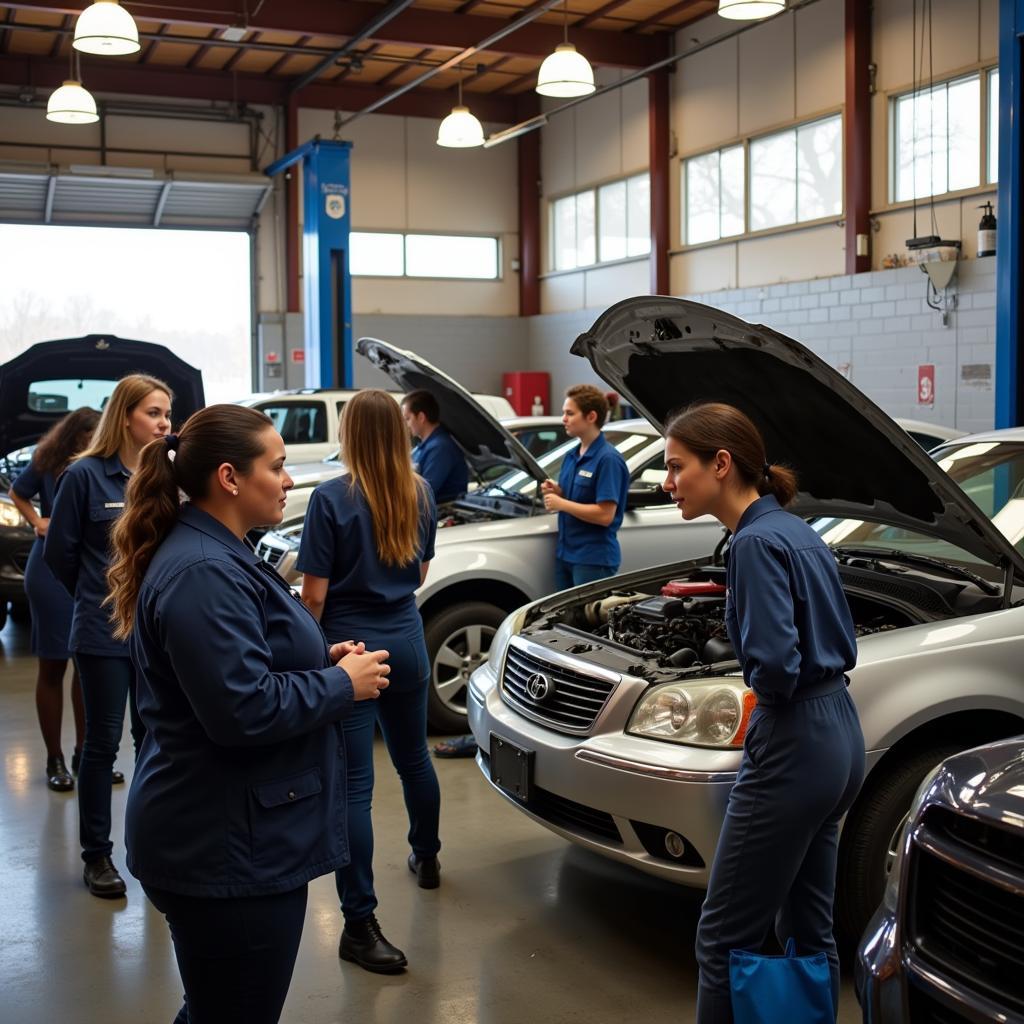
(298, 355)
(926, 384)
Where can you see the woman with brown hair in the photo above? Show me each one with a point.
(238, 798)
(49, 603)
(90, 498)
(367, 541)
(803, 753)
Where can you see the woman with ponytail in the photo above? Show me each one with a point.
(803, 753)
(367, 541)
(239, 793)
(90, 498)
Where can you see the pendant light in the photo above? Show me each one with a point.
(460, 129)
(750, 10)
(71, 103)
(565, 72)
(106, 28)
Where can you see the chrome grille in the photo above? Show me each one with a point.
(270, 553)
(575, 702)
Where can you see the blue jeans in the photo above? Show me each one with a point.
(106, 684)
(573, 574)
(401, 712)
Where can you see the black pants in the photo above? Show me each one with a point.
(235, 956)
(775, 865)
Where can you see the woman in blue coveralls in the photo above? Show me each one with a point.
(803, 753)
(49, 602)
(90, 497)
(366, 542)
(238, 797)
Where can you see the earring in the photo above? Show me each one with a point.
(235, 492)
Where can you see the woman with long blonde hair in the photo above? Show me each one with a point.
(89, 500)
(367, 541)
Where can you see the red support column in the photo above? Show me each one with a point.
(658, 130)
(529, 224)
(291, 235)
(857, 136)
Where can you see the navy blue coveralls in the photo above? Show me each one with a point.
(440, 462)
(238, 798)
(49, 602)
(90, 497)
(587, 551)
(375, 603)
(803, 755)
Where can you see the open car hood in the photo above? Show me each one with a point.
(93, 357)
(484, 440)
(851, 459)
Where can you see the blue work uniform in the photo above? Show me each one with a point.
(50, 604)
(803, 753)
(439, 460)
(376, 603)
(599, 474)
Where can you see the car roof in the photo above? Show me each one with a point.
(1006, 434)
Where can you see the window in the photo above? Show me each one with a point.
(993, 125)
(68, 395)
(937, 139)
(298, 422)
(612, 222)
(387, 254)
(714, 187)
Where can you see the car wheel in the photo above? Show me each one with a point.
(458, 641)
(870, 834)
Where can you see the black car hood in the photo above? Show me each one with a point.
(93, 357)
(851, 459)
(484, 440)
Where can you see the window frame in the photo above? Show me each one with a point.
(405, 276)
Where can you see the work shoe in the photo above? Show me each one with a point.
(103, 880)
(427, 871)
(363, 943)
(58, 778)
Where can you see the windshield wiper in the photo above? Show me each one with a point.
(517, 496)
(925, 561)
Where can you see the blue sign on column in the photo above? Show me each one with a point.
(327, 298)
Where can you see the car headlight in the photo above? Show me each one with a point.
(891, 896)
(10, 516)
(510, 625)
(699, 713)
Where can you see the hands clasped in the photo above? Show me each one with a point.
(366, 669)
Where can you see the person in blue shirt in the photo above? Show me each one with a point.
(238, 797)
(590, 496)
(49, 603)
(803, 751)
(366, 544)
(89, 499)
(437, 458)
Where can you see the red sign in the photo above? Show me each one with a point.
(926, 384)
(298, 355)
(271, 357)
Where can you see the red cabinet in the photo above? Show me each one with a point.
(529, 393)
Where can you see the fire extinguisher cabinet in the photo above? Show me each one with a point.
(527, 392)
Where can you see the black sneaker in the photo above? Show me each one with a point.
(363, 943)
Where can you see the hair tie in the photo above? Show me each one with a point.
(171, 440)
(767, 470)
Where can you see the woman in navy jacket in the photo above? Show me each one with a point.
(366, 543)
(803, 752)
(238, 798)
(90, 497)
(49, 602)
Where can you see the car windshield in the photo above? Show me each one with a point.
(992, 475)
(519, 482)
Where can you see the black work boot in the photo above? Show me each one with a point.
(103, 880)
(427, 871)
(363, 943)
(58, 778)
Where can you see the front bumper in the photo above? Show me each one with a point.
(616, 794)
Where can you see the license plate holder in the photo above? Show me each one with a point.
(511, 768)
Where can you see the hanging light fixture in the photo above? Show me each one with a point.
(106, 28)
(750, 10)
(71, 103)
(565, 72)
(460, 129)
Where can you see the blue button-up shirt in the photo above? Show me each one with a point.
(90, 496)
(786, 612)
(30, 482)
(440, 462)
(600, 474)
(239, 788)
(338, 544)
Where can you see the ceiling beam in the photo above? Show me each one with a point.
(396, 72)
(55, 49)
(415, 26)
(359, 57)
(659, 18)
(284, 58)
(203, 50)
(240, 53)
(601, 12)
(151, 45)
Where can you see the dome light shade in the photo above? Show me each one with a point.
(750, 10)
(460, 130)
(71, 104)
(106, 28)
(565, 73)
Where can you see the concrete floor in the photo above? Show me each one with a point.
(525, 927)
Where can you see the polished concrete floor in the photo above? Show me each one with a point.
(524, 929)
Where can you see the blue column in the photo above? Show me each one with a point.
(1009, 333)
(327, 292)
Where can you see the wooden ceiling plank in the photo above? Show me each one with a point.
(285, 57)
(241, 52)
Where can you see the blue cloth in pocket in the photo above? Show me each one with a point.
(786, 989)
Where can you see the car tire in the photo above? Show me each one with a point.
(458, 640)
(868, 834)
